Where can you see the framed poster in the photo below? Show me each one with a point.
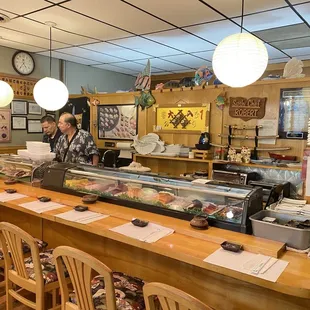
(19, 107)
(34, 108)
(5, 125)
(19, 122)
(294, 113)
(34, 126)
(118, 122)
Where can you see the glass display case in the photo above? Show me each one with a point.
(226, 205)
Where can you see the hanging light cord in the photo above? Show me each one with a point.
(50, 51)
(242, 14)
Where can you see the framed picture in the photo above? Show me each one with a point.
(19, 122)
(34, 126)
(19, 107)
(118, 122)
(5, 125)
(34, 108)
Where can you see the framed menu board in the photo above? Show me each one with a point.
(294, 113)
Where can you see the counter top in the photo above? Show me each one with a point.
(186, 244)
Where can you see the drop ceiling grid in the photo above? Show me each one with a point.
(175, 37)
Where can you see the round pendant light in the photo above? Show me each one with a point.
(240, 60)
(49, 93)
(6, 94)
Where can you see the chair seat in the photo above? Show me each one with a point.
(128, 292)
(26, 249)
(47, 264)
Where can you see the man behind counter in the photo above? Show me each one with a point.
(51, 131)
(75, 146)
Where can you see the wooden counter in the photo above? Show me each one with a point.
(176, 259)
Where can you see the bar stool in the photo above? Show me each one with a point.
(36, 273)
(109, 290)
(169, 298)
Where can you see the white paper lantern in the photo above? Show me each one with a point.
(240, 60)
(6, 94)
(50, 94)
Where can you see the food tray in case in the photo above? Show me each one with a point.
(293, 237)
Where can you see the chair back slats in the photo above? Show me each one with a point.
(80, 267)
(170, 298)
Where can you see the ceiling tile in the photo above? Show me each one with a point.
(188, 60)
(298, 1)
(115, 50)
(284, 33)
(271, 19)
(164, 65)
(116, 69)
(304, 57)
(60, 55)
(134, 66)
(23, 7)
(273, 52)
(19, 46)
(10, 15)
(298, 51)
(28, 39)
(181, 40)
(162, 73)
(232, 8)
(82, 52)
(39, 29)
(304, 11)
(145, 46)
(278, 60)
(119, 14)
(215, 32)
(293, 43)
(57, 1)
(78, 24)
(206, 55)
(190, 12)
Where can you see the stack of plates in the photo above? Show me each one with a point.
(38, 147)
(291, 206)
(305, 211)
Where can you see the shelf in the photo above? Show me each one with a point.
(175, 158)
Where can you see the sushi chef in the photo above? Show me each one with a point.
(75, 146)
(51, 131)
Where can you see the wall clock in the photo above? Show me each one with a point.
(23, 63)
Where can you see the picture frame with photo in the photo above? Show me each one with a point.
(34, 126)
(19, 123)
(18, 107)
(34, 108)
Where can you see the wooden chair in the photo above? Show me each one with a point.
(81, 267)
(170, 298)
(16, 273)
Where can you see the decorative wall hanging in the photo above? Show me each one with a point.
(246, 109)
(117, 121)
(145, 100)
(143, 81)
(19, 122)
(19, 107)
(5, 125)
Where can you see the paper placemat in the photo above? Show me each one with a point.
(150, 233)
(85, 217)
(245, 262)
(40, 207)
(4, 197)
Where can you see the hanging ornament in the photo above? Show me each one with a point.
(6, 94)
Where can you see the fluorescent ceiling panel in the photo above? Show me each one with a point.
(206, 55)
(278, 60)
(116, 69)
(273, 52)
(188, 60)
(145, 46)
(304, 11)
(271, 19)
(119, 14)
(214, 32)
(70, 58)
(84, 53)
(179, 14)
(293, 43)
(164, 65)
(298, 51)
(180, 40)
(116, 51)
(78, 24)
(232, 8)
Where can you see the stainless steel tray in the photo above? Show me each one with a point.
(293, 237)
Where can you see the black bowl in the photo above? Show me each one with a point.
(204, 147)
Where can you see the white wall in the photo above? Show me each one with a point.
(76, 75)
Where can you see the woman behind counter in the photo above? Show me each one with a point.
(75, 146)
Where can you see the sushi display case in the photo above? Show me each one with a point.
(227, 206)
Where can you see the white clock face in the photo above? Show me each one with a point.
(23, 63)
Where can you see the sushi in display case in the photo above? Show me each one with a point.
(227, 206)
